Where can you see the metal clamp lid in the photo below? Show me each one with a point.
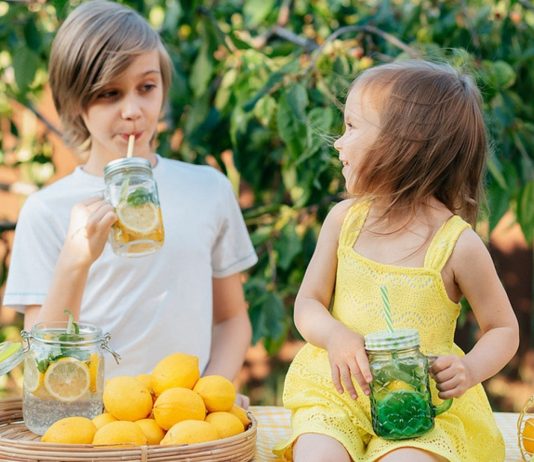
(127, 163)
(399, 339)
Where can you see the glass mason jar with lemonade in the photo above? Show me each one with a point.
(132, 191)
(63, 371)
(401, 402)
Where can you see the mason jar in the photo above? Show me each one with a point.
(63, 373)
(401, 402)
(132, 191)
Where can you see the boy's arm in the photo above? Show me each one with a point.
(475, 275)
(89, 227)
(232, 331)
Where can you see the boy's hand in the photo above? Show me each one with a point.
(452, 376)
(90, 223)
(348, 359)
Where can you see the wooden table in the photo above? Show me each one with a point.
(273, 426)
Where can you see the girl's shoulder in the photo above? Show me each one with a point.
(338, 213)
(469, 254)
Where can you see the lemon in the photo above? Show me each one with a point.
(527, 435)
(217, 392)
(33, 379)
(177, 404)
(176, 370)
(103, 419)
(146, 380)
(94, 365)
(138, 219)
(70, 430)
(241, 414)
(126, 398)
(120, 432)
(227, 424)
(67, 379)
(396, 385)
(153, 432)
(190, 432)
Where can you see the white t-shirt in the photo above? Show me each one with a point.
(154, 305)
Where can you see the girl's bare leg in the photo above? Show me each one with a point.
(411, 455)
(313, 447)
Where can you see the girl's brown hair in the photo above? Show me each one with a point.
(96, 43)
(432, 140)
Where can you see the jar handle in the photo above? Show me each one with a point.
(445, 404)
(105, 346)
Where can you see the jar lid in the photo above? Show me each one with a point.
(399, 339)
(127, 163)
(11, 355)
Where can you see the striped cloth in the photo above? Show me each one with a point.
(273, 425)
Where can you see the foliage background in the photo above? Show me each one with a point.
(258, 92)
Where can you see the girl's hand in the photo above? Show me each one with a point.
(90, 223)
(348, 359)
(453, 377)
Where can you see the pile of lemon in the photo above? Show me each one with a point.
(173, 405)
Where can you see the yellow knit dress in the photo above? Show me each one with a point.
(466, 432)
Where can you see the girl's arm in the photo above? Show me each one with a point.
(88, 230)
(312, 318)
(232, 331)
(478, 281)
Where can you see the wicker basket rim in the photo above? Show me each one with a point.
(15, 404)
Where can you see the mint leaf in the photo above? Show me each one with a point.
(139, 197)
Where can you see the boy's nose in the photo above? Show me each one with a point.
(130, 110)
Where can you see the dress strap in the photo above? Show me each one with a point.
(443, 242)
(353, 222)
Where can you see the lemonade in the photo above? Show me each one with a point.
(131, 189)
(63, 373)
(401, 403)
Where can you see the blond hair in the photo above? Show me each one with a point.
(96, 43)
(432, 139)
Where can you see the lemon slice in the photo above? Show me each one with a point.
(33, 379)
(67, 379)
(139, 219)
(94, 364)
(396, 385)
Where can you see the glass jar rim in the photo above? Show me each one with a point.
(88, 333)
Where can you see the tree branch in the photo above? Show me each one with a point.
(44, 120)
(413, 53)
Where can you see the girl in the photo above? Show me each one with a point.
(110, 75)
(413, 156)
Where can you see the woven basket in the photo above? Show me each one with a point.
(18, 444)
(526, 413)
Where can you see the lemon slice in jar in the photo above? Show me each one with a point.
(67, 379)
(396, 385)
(94, 364)
(33, 379)
(138, 219)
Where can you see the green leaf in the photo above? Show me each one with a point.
(31, 34)
(499, 203)
(225, 89)
(291, 120)
(25, 64)
(525, 211)
(201, 71)
(256, 11)
(268, 318)
(288, 245)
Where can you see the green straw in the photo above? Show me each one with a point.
(387, 307)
